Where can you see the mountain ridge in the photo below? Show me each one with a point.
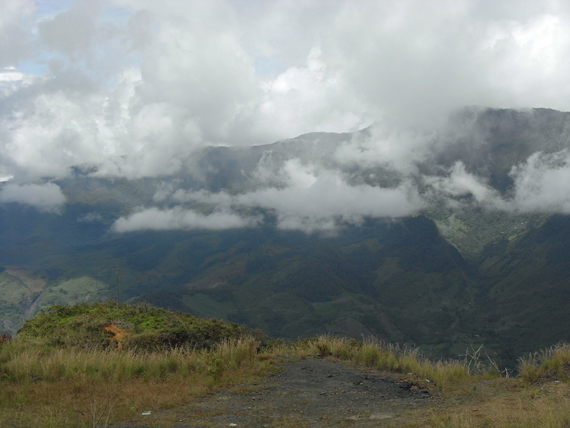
(468, 267)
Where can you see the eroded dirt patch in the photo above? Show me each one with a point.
(306, 393)
(117, 334)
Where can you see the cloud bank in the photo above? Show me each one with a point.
(177, 218)
(45, 197)
(134, 87)
(541, 184)
(387, 175)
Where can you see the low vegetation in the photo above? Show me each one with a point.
(383, 356)
(550, 363)
(68, 368)
(87, 365)
(104, 325)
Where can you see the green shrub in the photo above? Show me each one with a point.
(368, 355)
(146, 328)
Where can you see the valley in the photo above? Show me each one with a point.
(460, 272)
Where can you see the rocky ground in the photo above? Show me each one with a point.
(307, 393)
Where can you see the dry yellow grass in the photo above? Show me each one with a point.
(78, 388)
(508, 405)
(387, 357)
(550, 363)
(50, 387)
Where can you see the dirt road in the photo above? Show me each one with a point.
(307, 393)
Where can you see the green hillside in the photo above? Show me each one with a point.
(139, 327)
(401, 281)
(458, 273)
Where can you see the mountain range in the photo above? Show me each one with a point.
(444, 239)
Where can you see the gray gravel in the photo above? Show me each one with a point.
(306, 393)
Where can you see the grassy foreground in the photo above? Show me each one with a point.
(53, 375)
(472, 393)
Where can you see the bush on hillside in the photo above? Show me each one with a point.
(146, 327)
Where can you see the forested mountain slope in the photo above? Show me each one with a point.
(462, 242)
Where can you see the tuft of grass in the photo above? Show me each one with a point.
(550, 363)
(38, 363)
(384, 356)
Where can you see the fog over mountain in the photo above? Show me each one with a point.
(396, 168)
(133, 89)
(511, 161)
(321, 181)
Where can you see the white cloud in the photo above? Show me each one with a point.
(135, 86)
(398, 149)
(314, 97)
(50, 132)
(315, 201)
(541, 184)
(15, 31)
(72, 31)
(526, 61)
(45, 197)
(299, 175)
(10, 74)
(459, 182)
(179, 218)
(415, 61)
(11, 80)
(329, 202)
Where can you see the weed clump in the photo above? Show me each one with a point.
(549, 364)
(385, 356)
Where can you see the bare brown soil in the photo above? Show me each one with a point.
(307, 393)
(117, 333)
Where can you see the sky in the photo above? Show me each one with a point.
(132, 88)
